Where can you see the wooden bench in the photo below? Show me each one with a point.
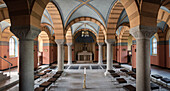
(56, 76)
(59, 72)
(45, 84)
(36, 77)
(53, 80)
(134, 76)
(166, 80)
(115, 75)
(41, 74)
(111, 71)
(156, 76)
(129, 88)
(124, 70)
(130, 73)
(47, 71)
(39, 89)
(117, 66)
(121, 80)
(52, 67)
(154, 86)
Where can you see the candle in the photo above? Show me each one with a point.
(84, 70)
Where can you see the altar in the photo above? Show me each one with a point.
(84, 56)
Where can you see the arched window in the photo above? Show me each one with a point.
(11, 47)
(154, 46)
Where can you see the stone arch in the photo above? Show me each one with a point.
(86, 19)
(124, 34)
(113, 18)
(4, 14)
(164, 16)
(57, 20)
(6, 34)
(87, 30)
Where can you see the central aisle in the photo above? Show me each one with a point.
(96, 81)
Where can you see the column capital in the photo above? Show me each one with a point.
(110, 41)
(60, 41)
(25, 32)
(143, 32)
(100, 43)
(69, 44)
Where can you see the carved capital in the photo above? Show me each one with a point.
(60, 41)
(100, 43)
(69, 44)
(110, 41)
(25, 32)
(143, 32)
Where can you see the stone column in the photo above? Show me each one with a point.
(69, 53)
(143, 35)
(60, 63)
(109, 55)
(100, 55)
(26, 35)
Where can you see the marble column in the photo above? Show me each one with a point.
(100, 54)
(69, 53)
(60, 53)
(143, 35)
(26, 35)
(109, 55)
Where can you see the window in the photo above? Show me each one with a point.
(154, 46)
(11, 47)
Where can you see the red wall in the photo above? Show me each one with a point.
(133, 56)
(5, 52)
(35, 57)
(167, 57)
(122, 54)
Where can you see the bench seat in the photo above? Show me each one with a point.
(129, 88)
(154, 86)
(59, 72)
(52, 80)
(36, 77)
(52, 67)
(45, 84)
(115, 75)
(134, 76)
(41, 74)
(156, 76)
(39, 89)
(121, 80)
(166, 80)
(56, 75)
(111, 71)
(124, 70)
(47, 71)
(130, 73)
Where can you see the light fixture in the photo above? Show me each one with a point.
(85, 32)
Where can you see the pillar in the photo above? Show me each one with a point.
(60, 53)
(109, 43)
(69, 53)
(26, 35)
(100, 54)
(143, 35)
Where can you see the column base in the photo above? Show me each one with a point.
(107, 73)
(100, 63)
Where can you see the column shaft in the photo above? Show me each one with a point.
(100, 55)
(109, 56)
(26, 65)
(69, 54)
(143, 65)
(60, 57)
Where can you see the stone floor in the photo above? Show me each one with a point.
(73, 78)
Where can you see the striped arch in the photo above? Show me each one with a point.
(4, 14)
(124, 34)
(166, 3)
(69, 37)
(44, 36)
(83, 30)
(113, 19)
(45, 28)
(164, 16)
(57, 20)
(168, 35)
(100, 37)
(156, 36)
(26, 12)
(6, 35)
(86, 19)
